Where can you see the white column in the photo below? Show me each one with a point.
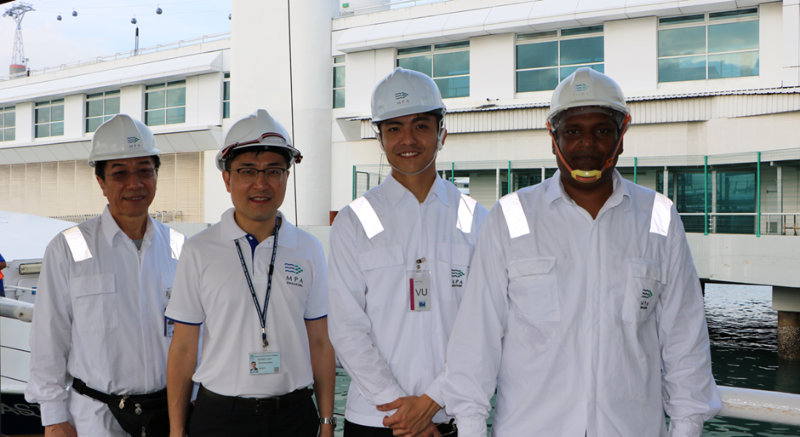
(281, 61)
(791, 42)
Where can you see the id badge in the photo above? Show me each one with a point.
(420, 288)
(169, 326)
(264, 363)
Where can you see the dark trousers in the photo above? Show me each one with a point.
(355, 430)
(213, 417)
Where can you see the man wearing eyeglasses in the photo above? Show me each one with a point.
(258, 286)
(104, 286)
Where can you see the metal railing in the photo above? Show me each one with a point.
(742, 403)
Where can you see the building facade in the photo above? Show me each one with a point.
(713, 87)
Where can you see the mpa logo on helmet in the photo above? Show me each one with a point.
(581, 87)
(400, 95)
(134, 143)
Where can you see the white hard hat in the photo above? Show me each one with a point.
(258, 129)
(122, 137)
(587, 87)
(405, 92)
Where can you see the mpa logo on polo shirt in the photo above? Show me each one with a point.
(294, 274)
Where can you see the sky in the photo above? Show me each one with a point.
(103, 27)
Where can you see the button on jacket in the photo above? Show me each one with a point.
(389, 351)
(575, 318)
(100, 317)
(210, 288)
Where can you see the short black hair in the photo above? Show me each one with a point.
(100, 166)
(279, 150)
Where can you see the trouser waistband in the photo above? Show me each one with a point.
(271, 403)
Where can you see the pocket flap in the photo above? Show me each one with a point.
(88, 285)
(383, 257)
(644, 268)
(531, 266)
(455, 254)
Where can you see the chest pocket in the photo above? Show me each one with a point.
(385, 274)
(533, 289)
(94, 302)
(641, 291)
(455, 259)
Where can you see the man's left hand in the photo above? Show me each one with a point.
(413, 416)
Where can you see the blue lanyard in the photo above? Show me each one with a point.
(262, 312)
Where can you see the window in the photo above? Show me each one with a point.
(7, 122)
(447, 64)
(49, 118)
(545, 58)
(708, 46)
(165, 103)
(226, 96)
(338, 81)
(99, 108)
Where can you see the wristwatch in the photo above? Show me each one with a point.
(328, 421)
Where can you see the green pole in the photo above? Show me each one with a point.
(453, 172)
(635, 165)
(758, 196)
(354, 182)
(509, 176)
(705, 194)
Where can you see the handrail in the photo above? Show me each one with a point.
(761, 405)
(16, 309)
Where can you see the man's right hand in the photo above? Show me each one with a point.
(63, 429)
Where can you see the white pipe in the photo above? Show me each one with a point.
(16, 309)
(761, 405)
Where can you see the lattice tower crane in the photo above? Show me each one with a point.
(18, 61)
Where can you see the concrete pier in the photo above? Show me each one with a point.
(787, 301)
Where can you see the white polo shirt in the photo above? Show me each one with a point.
(100, 317)
(210, 288)
(388, 350)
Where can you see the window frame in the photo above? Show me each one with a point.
(433, 50)
(226, 95)
(50, 123)
(709, 19)
(338, 62)
(6, 128)
(103, 96)
(558, 36)
(165, 87)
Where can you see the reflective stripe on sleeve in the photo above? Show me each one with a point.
(367, 216)
(176, 240)
(661, 215)
(515, 216)
(466, 208)
(77, 244)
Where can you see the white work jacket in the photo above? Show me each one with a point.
(587, 326)
(389, 351)
(210, 288)
(99, 316)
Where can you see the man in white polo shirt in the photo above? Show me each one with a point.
(398, 264)
(257, 284)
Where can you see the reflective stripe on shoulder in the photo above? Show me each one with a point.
(661, 215)
(367, 216)
(77, 244)
(466, 209)
(515, 216)
(176, 240)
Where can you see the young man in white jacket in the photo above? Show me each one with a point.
(398, 264)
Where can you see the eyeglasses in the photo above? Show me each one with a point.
(141, 173)
(249, 175)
